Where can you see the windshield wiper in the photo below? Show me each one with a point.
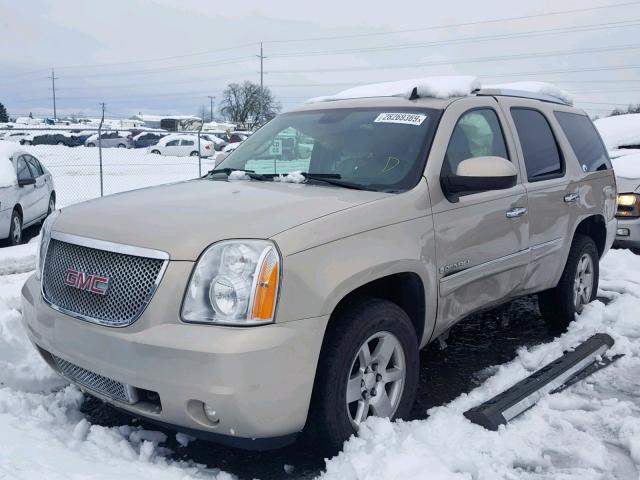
(228, 171)
(332, 179)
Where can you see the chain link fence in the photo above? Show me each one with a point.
(90, 163)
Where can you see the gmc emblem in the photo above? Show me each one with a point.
(87, 282)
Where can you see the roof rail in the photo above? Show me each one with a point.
(505, 92)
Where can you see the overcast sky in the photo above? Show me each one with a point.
(168, 56)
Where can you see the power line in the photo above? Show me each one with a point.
(334, 37)
(454, 25)
(479, 38)
(466, 60)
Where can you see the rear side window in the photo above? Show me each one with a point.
(584, 140)
(539, 147)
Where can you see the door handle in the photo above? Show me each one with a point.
(517, 212)
(571, 197)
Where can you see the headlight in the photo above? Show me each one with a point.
(45, 237)
(628, 205)
(235, 282)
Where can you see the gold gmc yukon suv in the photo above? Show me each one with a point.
(292, 287)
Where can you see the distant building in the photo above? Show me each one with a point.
(172, 123)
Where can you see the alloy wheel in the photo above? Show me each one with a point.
(16, 232)
(583, 282)
(376, 379)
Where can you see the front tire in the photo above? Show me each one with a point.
(155, 152)
(368, 367)
(577, 287)
(91, 144)
(15, 230)
(122, 145)
(193, 154)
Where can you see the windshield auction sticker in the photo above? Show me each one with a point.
(405, 118)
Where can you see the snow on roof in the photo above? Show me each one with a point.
(435, 87)
(7, 172)
(627, 166)
(542, 88)
(619, 130)
(441, 87)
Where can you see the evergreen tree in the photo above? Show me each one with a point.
(4, 116)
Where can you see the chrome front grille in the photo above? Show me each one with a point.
(133, 279)
(95, 382)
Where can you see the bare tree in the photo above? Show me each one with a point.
(246, 103)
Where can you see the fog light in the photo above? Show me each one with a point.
(622, 232)
(210, 413)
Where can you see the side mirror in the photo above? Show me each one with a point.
(480, 174)
(26, 181)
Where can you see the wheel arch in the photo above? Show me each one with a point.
(405, 289)
(595, 227)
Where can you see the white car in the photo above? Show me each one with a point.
(27, 193)
(182, 146)
(224, 153)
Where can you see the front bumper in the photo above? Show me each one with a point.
(631, 237)
(258, 380)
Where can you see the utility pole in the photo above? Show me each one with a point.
(211, 98)
(53, 84)
(100, 150)
(260, 103)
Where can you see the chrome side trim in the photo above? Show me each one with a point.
(110, 246)
(453, 282)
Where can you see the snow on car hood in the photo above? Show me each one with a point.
(182, 219)
(627, 171)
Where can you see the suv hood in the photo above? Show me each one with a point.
(184, 218)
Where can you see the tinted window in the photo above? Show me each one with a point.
(539, 147)
(477, 134)
(187, 142)
(36, 168)
(584, 140)
(23, 169)
(173, 143)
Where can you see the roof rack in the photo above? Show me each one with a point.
(506, 92)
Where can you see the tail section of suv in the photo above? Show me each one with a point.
(306, 285)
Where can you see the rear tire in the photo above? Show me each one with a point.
(91, 144)
(577, 287)
(351, 385)
(122, 145)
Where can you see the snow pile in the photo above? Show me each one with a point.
(590, 431)
(542, 88)
(619, 130)
(627, 166)
(291, 177)
(238, 175)
(435, 87)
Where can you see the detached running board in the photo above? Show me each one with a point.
(570, 368)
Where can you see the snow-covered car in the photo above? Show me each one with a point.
(218, 143)
(182, 146)
(109, 140)
(146, 139)
(56, 138)
(621, 135)
(226, 151)
(27, 193)
(23, 138)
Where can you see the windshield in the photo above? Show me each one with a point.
(374, 148)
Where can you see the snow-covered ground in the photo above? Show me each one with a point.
(76, 171)
(590, 431)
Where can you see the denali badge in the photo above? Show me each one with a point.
(85, 281)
